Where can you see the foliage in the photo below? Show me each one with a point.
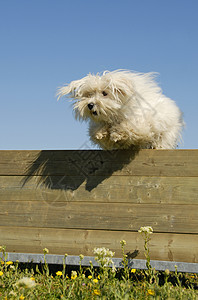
(104, 282)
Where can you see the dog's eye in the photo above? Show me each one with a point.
(104, 93)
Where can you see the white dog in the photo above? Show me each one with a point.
(125, 109)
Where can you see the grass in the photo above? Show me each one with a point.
(104, 282)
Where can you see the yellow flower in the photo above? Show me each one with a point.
(95, 280)
(45, 251)
(59, 273)
(133, 270)
(151, 292)
(21, 297)
(1, 273)
(167, 272)
(9, 263)
(97, 292)
(123, 243)
(73, 275)
(89, 276)
(32, 278)
(98, 276)
(81, 256)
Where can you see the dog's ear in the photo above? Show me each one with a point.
(121, 92)
(70, 89)
(119, 81)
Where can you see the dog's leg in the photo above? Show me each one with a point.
(128, 135)
(118, 136)
(98, 131)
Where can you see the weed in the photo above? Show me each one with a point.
(104, 282)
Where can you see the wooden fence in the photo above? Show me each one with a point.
(72, 201)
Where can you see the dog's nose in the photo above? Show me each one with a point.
(90, 106)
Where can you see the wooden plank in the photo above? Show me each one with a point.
(85, 199)
(148, 190)
(103, 216)
(168, 247)
(101, 163)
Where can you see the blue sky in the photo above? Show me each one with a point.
(45, 43)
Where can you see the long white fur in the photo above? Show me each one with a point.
(129, 109)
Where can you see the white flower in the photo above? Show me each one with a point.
(25, 282)
(103, 252)
(114, 269)
(103, 256)
(146, 229)
(73, 273)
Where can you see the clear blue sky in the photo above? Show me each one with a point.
(45, 43)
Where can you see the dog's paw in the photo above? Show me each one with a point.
(100, 135)
(115, 137)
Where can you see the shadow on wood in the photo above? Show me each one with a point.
(76, 167)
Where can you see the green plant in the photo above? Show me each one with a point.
(104, 282)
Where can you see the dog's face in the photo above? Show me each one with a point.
(99, 98)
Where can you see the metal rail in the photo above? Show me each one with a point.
(74, 260)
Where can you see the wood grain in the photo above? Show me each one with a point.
(97, 162)
(130, 189)
(104, 216)
(168, 247)
(73, 201)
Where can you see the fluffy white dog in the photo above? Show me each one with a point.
(125, 109)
